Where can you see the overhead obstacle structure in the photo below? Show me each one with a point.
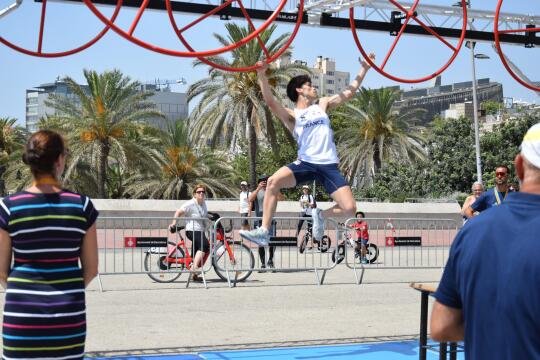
(188, 32)
(184, 26)
(267, 53)
(401, 17)
(527, 25)
(24, 23)
(414, 28)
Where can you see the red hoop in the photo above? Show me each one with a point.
(410, 14)
(40, 53)
(129, 35)
(497, 33)
(269, 57)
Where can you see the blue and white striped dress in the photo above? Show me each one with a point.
(45, 312)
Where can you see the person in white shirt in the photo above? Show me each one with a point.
(307, 203)
(244, 206)
(197, 212)
(317, 154)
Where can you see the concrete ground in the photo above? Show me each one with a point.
(134, 315)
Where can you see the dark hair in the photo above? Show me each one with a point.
(262, 178)
(42, 150)
(295, 83)
(360, 212)
(503, 166)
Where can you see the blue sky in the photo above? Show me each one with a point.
(68, 25)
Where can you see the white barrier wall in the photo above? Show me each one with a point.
(166, 208)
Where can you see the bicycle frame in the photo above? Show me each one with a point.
(187, 260)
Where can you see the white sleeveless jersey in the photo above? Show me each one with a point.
(314, 136)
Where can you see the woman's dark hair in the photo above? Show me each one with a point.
(295, 83)
(360, 212)
(42, 150)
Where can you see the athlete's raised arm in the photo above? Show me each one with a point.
(328, 102)
(285, 115)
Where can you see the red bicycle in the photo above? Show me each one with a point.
(167, 264)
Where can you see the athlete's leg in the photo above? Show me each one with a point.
(282, 179)
(345, 203)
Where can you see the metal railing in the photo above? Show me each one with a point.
(146, 246)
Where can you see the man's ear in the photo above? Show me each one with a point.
(518, 163)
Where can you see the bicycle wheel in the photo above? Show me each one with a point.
(157, 267)
(239, 269)
(372, 253)
(303, 244)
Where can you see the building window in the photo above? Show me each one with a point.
(329, 81)
(330, 73)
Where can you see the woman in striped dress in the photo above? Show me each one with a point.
(50, 234)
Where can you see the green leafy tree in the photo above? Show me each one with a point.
(179, 166)
(98, 124)
(492, 107)
(500, 146)
(12, 140)
(371, 132)
(231, 106)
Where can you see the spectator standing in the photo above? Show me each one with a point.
(257, 198)
(489, 294)
(197, 212)
(307, 203)
(494, 196)
(46, 230)
(477, 190)
(244, 207)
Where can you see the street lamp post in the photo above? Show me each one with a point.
(475, 116)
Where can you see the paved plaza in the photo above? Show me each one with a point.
(134, 315)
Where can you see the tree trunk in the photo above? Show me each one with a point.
(252, 146)
(376, 156)
(2, 183)
(102, 169)
(252, 154)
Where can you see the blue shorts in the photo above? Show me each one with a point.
(326, 174)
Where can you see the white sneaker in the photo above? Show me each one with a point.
(318, 224)
(258, 236)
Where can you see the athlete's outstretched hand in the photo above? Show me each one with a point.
(365, 63)
(262, 66)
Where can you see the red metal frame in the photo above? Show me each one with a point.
(269, 57)
(40, 53)
(410, 15)
(129, 35)
(497, 33)
(187, 260)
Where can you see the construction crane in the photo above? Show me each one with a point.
(167, 83)
(10, 8)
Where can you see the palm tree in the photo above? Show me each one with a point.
(231, 107)
(12, 139)
(373, 133)
(179, 167)
(101, 123)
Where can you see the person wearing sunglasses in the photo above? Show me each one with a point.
(196, 213)
(489, 294)
(494, 196)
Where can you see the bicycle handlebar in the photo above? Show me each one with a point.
(175, 228)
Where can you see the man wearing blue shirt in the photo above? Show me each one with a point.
(494, 196)
(489, 294)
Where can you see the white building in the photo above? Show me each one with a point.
(172, 104)
(325, 78)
